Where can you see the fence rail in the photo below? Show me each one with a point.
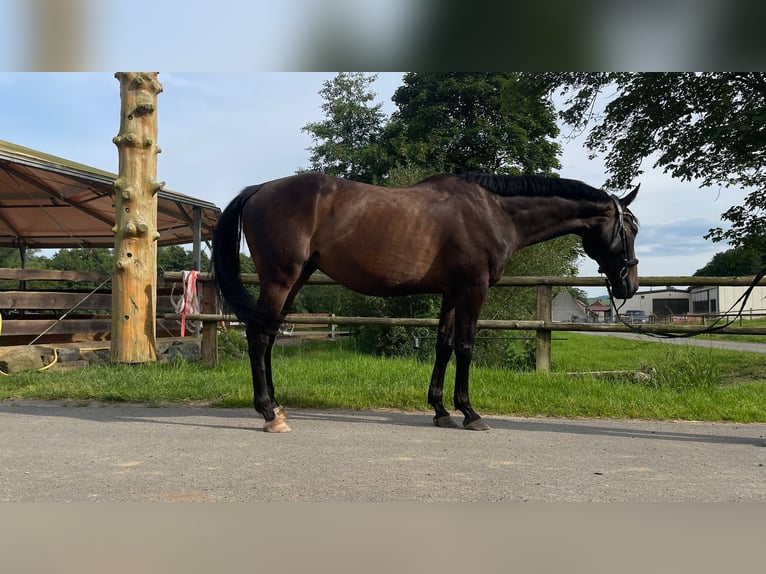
(532, 281)
(59, 313)
(543, 325)
(97, 326)
(498, 324)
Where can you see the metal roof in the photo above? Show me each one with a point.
(50, 202)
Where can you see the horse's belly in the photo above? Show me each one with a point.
(382, 249)
(383, 273)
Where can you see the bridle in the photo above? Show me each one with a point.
(620, 235)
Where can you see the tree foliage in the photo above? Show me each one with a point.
(82, 260)
(85, 260)
(9, 258)
(708, 127)
(176, 258)
(89, 260)
(731, 263)
(444, 122)
(346, 142)
(486, 122)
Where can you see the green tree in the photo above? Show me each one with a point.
(87, 260)
(709, 127)
(346, 142)
(486, 122)
(10, 258)
(83, 260)
(731, 263)
(176, 258)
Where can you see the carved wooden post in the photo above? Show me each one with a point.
(134, 280)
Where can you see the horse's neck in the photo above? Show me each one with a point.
(537, 219)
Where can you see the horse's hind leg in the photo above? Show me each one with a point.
(260, 338)
(278, 409)
(269, 379)
(444, 346)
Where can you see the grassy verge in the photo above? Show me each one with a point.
(685, 383)
(741, 338)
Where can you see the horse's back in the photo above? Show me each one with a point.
(315, 200)
(375, 240)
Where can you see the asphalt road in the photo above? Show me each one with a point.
(58, 452)
(691, 341)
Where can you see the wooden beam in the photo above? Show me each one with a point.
(50, 275)
(77, 329)
(54, 300)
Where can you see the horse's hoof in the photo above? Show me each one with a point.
(281, 411)
(478, 424)
(277, 425)
(445, 422)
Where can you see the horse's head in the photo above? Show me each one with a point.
(610, 244)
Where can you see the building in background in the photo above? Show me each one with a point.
(726, 300)
(566, 309)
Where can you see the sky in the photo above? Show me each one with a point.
(220, 132)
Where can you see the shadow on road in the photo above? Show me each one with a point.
(246, 420)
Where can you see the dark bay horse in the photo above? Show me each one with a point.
(449, 234)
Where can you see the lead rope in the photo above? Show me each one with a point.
(712, 328)
(188, 303)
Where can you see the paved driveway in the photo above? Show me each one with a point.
(55, 452)
(692, 341)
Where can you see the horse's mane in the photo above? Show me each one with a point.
(535, 186)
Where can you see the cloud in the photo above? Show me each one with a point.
(684, 237)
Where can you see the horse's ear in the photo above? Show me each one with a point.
(628, 199)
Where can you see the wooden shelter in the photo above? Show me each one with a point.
(50, 202)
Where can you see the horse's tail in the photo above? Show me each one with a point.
(225, 255)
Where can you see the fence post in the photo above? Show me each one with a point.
(209, 304)
(543, 351)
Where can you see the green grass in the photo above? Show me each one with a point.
(741, 338)
(686, 382)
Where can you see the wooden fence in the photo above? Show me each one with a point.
(28, 312)
(58, 315)
(542, 324)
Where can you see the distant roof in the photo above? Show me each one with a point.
(50, 202)
(598, 306)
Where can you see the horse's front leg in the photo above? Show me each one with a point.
(466, 318)
(444, 346)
